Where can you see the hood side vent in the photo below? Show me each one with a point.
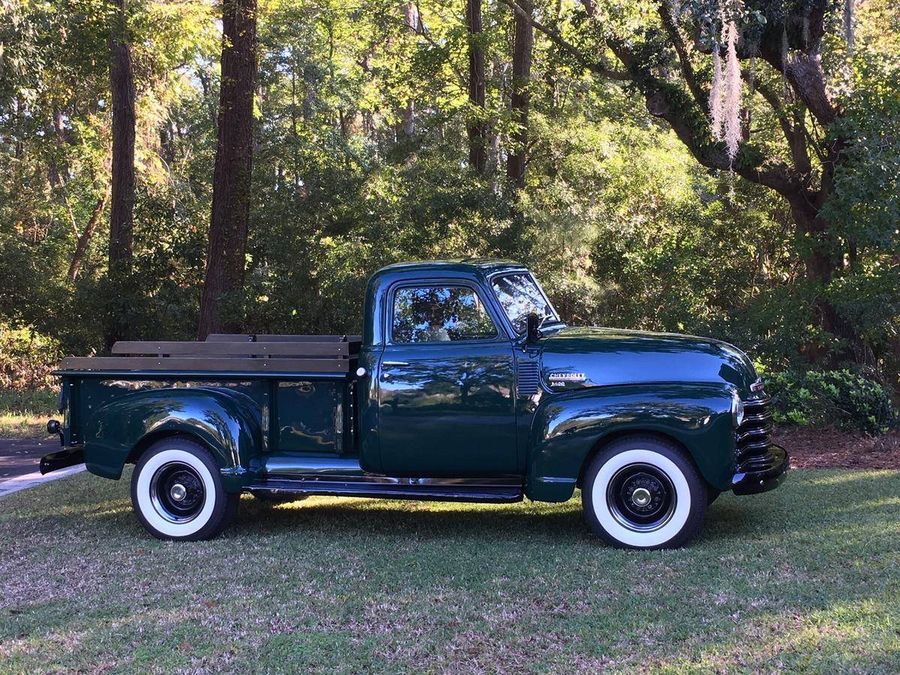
(528, 378)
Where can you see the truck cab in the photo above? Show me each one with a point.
(464, 385)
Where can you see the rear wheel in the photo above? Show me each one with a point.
(177, 491)
(643, 492)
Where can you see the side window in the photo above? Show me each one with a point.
(439, 314)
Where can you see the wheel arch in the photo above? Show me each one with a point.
(610, 438)
(150, 439)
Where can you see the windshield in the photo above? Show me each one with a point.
(520, 295)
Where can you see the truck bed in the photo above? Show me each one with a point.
(303, 386)
(324, 354)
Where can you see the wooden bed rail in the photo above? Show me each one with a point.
(249, 337)
(264, 353)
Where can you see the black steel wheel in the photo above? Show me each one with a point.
(641, 497)
(177, 492)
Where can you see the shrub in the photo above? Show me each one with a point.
(26, 358)
(832, 397)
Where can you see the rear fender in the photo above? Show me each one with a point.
(226, 421)
(569, 427)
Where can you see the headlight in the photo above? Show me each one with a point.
(737, 410)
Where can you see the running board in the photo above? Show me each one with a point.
(385, 487)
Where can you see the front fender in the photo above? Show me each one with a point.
(567, 427)
(225, 420)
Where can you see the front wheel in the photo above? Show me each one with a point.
(643, 493)
(177, 492)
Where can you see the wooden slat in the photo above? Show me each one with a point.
(150, 363)
(229, 337)
(299, 338)
(303, 349)
(274, 337)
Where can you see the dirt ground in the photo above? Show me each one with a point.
(831, 448)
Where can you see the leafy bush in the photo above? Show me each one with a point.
(26, 358)
(834, 397)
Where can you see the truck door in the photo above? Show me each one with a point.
(446, 385)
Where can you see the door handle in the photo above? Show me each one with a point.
(394, 363)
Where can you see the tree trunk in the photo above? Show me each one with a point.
(121, 212)
(523, 43)
(121, 79)
(408, 124)
(477, 127)
(821, 263)
(234, 162)
(84, 239)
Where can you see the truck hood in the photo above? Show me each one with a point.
(594, 357)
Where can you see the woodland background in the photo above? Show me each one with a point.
(159, 179)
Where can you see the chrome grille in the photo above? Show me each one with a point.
(752, 437)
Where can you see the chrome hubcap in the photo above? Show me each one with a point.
(178, 492)
(641, 497)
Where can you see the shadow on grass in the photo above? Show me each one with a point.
(731, 516)
(834, 495)
(422, 520)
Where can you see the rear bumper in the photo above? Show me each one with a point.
(62, 459)
(762, 473)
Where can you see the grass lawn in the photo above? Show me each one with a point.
(803, 578)
(24, 414)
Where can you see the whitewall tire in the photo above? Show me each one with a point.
(644, 492)
(177, 491)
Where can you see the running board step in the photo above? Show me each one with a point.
(404, 488)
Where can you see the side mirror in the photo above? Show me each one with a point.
(532, 328)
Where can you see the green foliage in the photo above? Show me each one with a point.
(26, 358)
(620, 222)
(836, 397)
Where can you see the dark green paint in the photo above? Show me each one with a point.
(569, 426)
(449, 412)
(309, 417)
(226, 420)
(609, 356)
(447, 409)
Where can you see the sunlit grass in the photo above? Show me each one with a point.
(24, 414)
(803, 578)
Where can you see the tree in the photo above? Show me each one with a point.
(477, 127)
(84, 239)
(667, 62)
(233, 166)
(523, 43)
(121, 213)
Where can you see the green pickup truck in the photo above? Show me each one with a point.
(465, 385)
